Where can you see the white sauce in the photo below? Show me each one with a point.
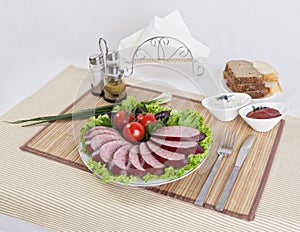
(222, 103)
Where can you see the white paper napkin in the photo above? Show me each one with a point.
(172, 25)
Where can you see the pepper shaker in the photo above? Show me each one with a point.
(113, 59)
(114, 81)
(114, 85)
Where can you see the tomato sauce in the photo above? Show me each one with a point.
(264, 113)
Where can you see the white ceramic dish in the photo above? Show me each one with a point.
(138, 182)
(263, 125)
(225, 107)
(254, 100)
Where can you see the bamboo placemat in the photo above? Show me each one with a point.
(59, 140)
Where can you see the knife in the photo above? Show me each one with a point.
(244, 150)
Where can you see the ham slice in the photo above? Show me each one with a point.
(106, 152)
(151, 164)
(135, 163)
(181, 147)
(178, 133)
(169, 158)
(118, 165)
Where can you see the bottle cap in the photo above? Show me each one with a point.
(113, 56)
(96, 59)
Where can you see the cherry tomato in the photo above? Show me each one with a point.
(139, 117)
(121, 118)
(133, 132)
(146, 119)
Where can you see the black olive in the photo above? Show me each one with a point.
(140, 110)
(225, 97)
(163, 116)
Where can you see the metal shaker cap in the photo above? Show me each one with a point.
(113, 55)
(96, 59)
(114, 72)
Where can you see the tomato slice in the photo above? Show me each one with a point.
(121, 118)
(133, 132)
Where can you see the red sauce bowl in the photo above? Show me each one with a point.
(263, 124)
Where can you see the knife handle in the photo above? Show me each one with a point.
(205, 188)
(227, 190)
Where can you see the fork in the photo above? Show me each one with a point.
(225, 149)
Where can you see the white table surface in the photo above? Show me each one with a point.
(40, 38)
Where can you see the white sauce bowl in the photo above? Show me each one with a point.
(226, 110)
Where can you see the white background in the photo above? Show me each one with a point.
(40, 38)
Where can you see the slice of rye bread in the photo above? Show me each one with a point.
(242, 71)
(253, 89)
(257, 93)
(242, 87)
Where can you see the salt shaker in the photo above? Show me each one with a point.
(96, 72)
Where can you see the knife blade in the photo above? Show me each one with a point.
(243, 152)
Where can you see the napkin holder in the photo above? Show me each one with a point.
(163, 50)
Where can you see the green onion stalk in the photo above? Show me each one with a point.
(87, 113)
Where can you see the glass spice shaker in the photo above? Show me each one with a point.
(114, 80)
(114, 85)
(96, 72)
(113, 59)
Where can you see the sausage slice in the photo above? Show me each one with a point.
(170, 158)
(151, 164)
(182, 147)
(178, 133)
(135, 163)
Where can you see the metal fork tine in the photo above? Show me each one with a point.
(227, 139)
(233, 140)
(223, 139)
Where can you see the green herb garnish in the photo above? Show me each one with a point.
(258, 108)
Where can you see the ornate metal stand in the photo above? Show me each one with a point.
(163, 50)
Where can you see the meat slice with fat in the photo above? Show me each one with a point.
(99, 140)
(169, 158)
(151, 164)
(106, 152)
(118, 164)
(99, 130)
(178, 133)
(182, 147)
(135, 163)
